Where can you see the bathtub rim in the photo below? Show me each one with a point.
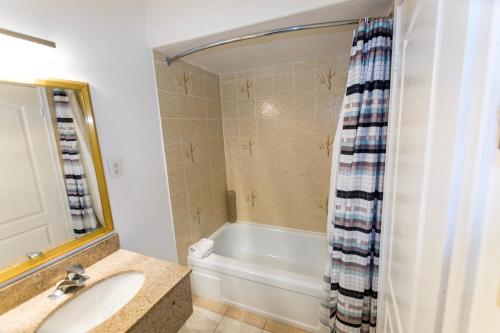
(267, 226)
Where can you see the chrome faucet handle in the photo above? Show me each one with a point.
(73, 281)
(76, 269)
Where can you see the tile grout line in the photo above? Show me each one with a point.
(224, 315)
(221, 319)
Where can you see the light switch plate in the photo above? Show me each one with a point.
(115, 167)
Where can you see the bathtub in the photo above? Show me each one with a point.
(272, 271)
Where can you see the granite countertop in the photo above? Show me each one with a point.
(160, 277)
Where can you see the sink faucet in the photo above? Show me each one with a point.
(74, 279)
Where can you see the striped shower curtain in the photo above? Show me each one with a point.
(80, 203)
(351, 273)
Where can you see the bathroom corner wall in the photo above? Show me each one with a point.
(191, 119)
(279, 123)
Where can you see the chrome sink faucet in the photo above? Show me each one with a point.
(74, 279)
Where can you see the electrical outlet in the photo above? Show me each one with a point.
(115, 167)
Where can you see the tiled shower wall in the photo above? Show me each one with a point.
(279, 123)
(191, 118)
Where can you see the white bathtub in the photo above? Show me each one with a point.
(272, 271)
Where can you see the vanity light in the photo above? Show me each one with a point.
(25, 58)
(27, 37)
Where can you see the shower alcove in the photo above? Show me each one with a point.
(257, 117)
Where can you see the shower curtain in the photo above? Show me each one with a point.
(80, 202)
(356, 192)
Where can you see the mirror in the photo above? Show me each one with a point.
(53, 195)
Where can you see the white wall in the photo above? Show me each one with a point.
(104, 43)
(202, 18)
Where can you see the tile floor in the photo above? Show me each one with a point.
(209, 317)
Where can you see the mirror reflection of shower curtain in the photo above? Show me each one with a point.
(77, 188)
(86, 155)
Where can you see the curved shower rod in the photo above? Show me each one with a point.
(328, 24)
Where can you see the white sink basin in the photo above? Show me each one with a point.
(94, 305)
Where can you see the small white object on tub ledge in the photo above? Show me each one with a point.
(202, 248)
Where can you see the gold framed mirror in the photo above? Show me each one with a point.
(53, 193)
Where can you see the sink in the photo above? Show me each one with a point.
(95, 305)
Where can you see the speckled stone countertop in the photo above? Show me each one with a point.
(160, 278)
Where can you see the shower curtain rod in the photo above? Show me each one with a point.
(292, 28)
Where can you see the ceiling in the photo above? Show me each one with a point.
(282, 48)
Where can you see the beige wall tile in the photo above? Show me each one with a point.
(171, 131)
(169, 104)
(284, 106)
(216, 148)
(230, 109)
(198, 85)
(246, 88)
(284, 84)
(232, 147)
(176, 179)
(264, 107)
(187, 130)
(182, 228)
(292, 123)
(246, 108)
(193, 177)
(195, 203)
(183, 82)
(218, 172)
(194, 148)
(199, 108)
(304, 82)
(328, 106)
(248, 128)
(165, 78)
(189, 153)
(304, 107)
(230, 128)
(228, 90)
(214, 129)
(211, 89)
(214, 109)
(174, 155)
(264, 86)
(286, 122)
(301, 66)
(179, 202)
(185, 108)
(200, 130)
(204, 171)
(207, 224)
(202, 150)
(283, 68)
